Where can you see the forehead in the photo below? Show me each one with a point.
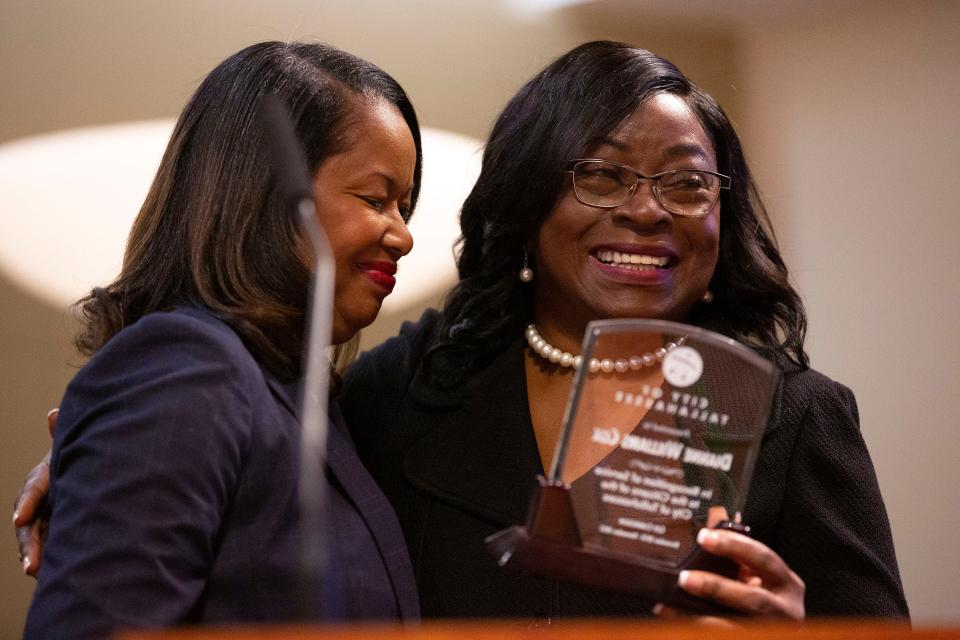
(378, 142)
(376, 123)
(664, 127)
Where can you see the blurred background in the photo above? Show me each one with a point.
(848, 111)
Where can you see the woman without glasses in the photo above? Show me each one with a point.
(611, 187)
(173, 473)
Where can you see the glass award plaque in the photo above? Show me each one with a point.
(659, 439)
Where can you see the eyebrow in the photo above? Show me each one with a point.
(681, 149)
(390, 180)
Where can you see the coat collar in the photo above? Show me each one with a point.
(484, 431)
(376, 511)
(372, 506)
(344, 463)
(478, 451)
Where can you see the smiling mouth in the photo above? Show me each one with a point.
(381, 273)
(632, 261)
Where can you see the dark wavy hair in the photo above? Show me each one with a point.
(562, 113)
(212, 231)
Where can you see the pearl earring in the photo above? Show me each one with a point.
(526, 273)
(707, 297)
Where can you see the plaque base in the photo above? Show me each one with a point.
(550, 545)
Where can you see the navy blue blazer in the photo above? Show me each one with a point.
(174, 495)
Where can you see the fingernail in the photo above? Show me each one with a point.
(16, 514)
(682, 580)
(706, 534)
(657, 608)
(53, 411)
(26, 565)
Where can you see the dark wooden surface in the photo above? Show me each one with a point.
(567, 630)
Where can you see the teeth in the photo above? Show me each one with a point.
(631, 260)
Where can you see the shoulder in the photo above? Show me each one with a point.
(409, 345)
(376, 386)
(811, 383)
(396, 360)
(182, 339)
(152, 448)
(167, 371)
(814, 426)
(184, 328)
(176, 388)
(816, 478)
(819, 435)
(810, 396)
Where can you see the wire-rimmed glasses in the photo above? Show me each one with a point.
(683, 192)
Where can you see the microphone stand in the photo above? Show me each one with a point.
(293, 182)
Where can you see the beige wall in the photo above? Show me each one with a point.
(855, 135)
(849, 118)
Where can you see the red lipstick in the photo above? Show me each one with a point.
(381, 273)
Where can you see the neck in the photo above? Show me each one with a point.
(566, 336)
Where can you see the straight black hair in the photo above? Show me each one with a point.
(212, 231)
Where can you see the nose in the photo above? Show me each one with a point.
(397, 239)
(643, 208)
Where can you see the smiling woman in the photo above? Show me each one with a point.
(614, 187)
(456, 416)
(594, 277)
(103, 173)
(190, 396)
(366, 197)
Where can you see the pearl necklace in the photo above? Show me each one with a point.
(607, 365)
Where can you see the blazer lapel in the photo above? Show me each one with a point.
(373, 507)
(288, 393)
(487, 434)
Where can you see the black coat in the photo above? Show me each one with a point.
(460, 466)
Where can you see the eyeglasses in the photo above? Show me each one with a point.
(685, 192)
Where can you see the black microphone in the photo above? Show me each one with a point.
(291, 177)
(292, 180)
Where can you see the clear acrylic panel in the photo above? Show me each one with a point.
(661, 436)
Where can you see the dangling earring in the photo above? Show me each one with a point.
(526, 273)
(707, 297)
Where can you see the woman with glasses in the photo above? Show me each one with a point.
(611, 187)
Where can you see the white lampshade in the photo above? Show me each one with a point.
(67, 201)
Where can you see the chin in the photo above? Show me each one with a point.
(647, 312)
(349, 319)
(344, 331)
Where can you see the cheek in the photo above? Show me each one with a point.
(707, 238)
(711, 246)
(331, 216)
(338, 249)
(703, 239)
(350, 233)
(712, 239)
(559, 229)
